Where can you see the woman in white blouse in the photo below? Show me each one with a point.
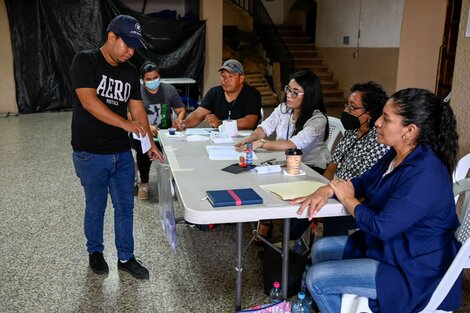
(300, 123)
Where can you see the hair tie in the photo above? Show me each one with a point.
(447, 99)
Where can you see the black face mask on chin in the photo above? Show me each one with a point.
(350, 121)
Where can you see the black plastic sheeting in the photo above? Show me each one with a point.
(46, 34)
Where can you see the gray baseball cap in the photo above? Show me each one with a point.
(232, 66)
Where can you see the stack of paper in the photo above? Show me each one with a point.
(218, 137)
(292, 190)
(199, 131)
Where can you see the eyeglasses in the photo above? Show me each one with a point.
(293, 93)
(350, 108)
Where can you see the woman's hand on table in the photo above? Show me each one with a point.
(241, 146)
(314, 201)
(344, 191)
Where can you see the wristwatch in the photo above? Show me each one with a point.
(262, 142)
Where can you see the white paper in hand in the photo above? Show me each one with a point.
(144, 142)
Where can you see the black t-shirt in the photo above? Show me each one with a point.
(115, 86)
(247, 102)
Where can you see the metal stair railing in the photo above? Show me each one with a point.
(269, 36)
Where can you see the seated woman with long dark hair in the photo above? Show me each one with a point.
(300, 123)
(407, 220)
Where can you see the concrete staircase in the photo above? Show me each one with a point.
(257, 80)
(306, 56)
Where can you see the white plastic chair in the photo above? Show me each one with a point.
(350, 303)
(354, 304)
(336, 128)
(461, 170)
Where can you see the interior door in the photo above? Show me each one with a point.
(448, 48)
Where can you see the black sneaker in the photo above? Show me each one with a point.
(134, 267)
(98, 263)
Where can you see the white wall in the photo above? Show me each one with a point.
(380, 23)
(275, 10)
(156, 6)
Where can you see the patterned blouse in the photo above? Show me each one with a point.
(311, 139)
(353, 157)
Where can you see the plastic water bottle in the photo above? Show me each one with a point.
(275, 295)
(303, 286)
(249, 154)
(300, 305)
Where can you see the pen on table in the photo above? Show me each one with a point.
(205, 198)
(267, 161)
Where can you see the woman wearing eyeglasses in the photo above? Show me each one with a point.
(407, 218)
(300, 123)
(358, 149)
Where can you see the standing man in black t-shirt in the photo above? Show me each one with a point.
(233, 99)
(106, 87)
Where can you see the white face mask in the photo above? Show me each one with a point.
(153, 84)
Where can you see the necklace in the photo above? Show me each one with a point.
(230, 103)
(230, 106)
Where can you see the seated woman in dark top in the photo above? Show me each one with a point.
(357, 151)
(406, 221)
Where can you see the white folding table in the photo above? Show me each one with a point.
(194, 173)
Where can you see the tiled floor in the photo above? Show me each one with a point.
(45, 264)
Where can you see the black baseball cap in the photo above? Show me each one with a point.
(128, 28)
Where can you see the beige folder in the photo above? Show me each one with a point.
(289, 191)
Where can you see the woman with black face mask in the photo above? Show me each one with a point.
(358, 150)
(405, 211)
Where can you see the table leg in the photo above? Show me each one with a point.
(285, 257)
(239, 267)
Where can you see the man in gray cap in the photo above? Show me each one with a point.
(233, 99)
(106, 88)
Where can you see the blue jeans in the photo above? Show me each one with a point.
(330, 276)
(100, 173)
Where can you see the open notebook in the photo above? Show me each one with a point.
(292, 190)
